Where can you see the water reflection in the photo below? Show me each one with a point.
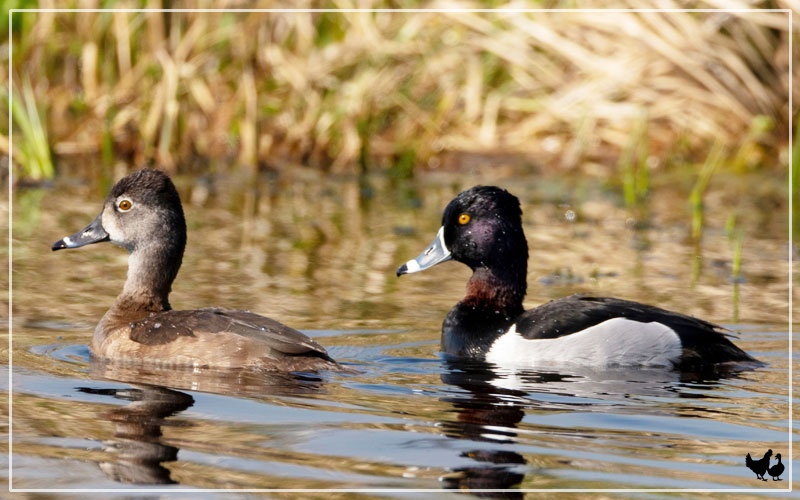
(489, 403)
(243, 383)
(494, 473)
(484, 413)
(589, 385)
(137, 447)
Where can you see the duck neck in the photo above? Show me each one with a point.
(501, 293)
(151, 271)
(492, 304)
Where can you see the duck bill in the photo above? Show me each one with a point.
(436, 253)
(93, 233)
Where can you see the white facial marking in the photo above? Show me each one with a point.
(123, 207)
(115, 234)
(613, 343)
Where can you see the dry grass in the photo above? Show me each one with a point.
(352, 90)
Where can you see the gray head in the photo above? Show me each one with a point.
(142, 214)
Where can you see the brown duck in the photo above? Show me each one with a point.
(143, 214)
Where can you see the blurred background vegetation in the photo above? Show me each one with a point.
(603, 93)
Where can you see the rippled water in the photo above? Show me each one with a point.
(320, 255)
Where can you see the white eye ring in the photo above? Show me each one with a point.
(124, 204)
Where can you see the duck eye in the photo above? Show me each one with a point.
(125, 205)
(463, 219)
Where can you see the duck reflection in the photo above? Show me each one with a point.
(489, 404)
(486, 414)
(235, 382)
(138, 448)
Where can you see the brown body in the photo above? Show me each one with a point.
(206, 338)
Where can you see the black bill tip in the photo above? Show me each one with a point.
(400, 270)
(59, 245)
(93, 233)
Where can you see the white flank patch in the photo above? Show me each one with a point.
(614, 343)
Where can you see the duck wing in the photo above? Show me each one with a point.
(167, 326)
(578, 312)
(702, 341)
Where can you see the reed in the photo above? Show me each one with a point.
(33, 149)
(736, 239)
(635, 172)
(348, 91)
(736, 261)
(712, 163)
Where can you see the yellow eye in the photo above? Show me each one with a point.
(463, 219)
(125, 205)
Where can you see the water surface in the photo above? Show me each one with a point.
(319, 254)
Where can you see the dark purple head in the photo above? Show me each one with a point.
(481, 227)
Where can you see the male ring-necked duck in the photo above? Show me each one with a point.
(482, 228)
(143, 214)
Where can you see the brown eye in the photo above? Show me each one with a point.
(463, 219)
(124, 205)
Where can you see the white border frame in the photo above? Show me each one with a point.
(147, 490)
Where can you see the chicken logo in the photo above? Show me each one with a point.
(761, 467)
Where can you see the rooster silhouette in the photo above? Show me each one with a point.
(759, 466)
(777, 469)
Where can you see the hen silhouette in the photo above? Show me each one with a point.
(759, 466)
(777, 469)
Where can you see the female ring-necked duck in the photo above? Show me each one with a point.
(482, 228)
(143, 214)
